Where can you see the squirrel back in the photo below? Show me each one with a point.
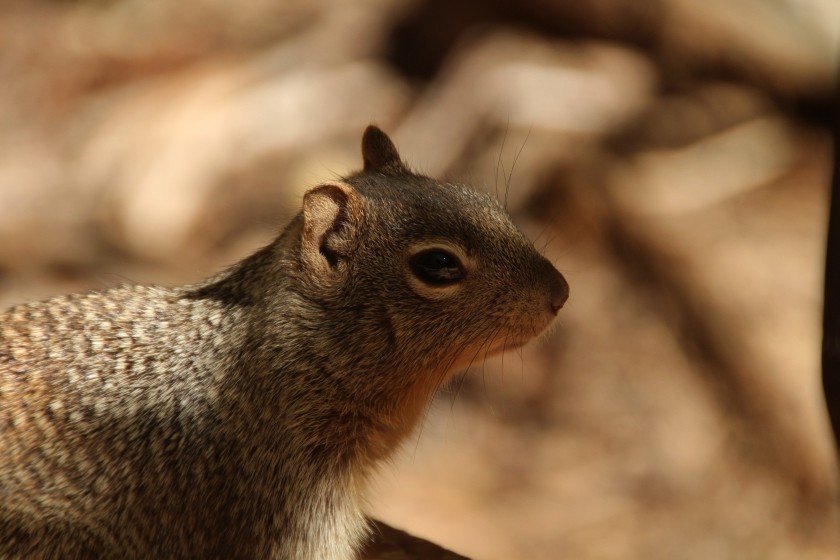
(240, 417)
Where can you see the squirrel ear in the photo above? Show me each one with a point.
(379, 152)
(330, 214)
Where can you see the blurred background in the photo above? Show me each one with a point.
(671, 157)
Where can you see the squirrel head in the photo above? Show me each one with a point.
(420, 274)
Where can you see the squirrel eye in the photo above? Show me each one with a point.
(437, 267)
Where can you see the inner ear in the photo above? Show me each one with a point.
(330, 217)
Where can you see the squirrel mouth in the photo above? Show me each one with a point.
(492, 347)
(510, 341)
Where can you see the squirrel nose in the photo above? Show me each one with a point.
(559, 291)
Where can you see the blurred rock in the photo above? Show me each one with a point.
(787, 48)
(502, 82)
(678, 181)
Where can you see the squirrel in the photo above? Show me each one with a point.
(240, 417)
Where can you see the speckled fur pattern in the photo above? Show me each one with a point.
(240, 417)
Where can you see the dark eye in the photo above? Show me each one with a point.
(437, 267)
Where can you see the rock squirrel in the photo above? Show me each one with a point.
(240, 417)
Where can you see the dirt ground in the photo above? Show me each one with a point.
(672, 158)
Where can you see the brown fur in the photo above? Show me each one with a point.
(240, 417)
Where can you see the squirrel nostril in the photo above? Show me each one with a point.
(559, 293)
(557, 289)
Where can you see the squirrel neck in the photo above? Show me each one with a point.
(301, 379)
